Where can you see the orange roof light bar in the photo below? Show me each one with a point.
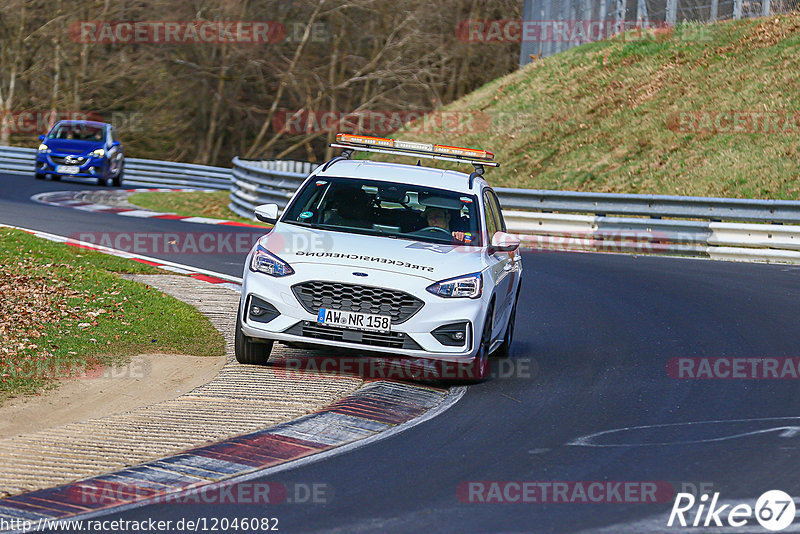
(464, 152)
(364, 140)
(411, 146)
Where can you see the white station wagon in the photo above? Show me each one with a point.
(404, 260)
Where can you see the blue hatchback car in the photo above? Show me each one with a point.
(84, 149)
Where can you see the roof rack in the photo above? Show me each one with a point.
(349, 142)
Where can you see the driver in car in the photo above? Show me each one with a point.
(440, 218)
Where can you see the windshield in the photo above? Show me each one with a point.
(388, 209)
(78, 132)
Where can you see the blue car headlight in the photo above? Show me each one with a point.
(467, 286)
(263, 261)
(99, 153)
(44, 148)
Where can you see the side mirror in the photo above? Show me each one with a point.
(41, 138)
(115, 143)
(267, 213)
(503, 242)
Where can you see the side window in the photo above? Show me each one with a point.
(489, 217)
(498, 213)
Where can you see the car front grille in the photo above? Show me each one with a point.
(393, 340)
(74, 160)
(357, 298)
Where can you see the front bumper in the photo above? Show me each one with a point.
(294, 319)
(89, 167)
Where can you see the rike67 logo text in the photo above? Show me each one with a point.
(774, 510)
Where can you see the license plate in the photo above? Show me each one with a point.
(68, 169)
(354, 320)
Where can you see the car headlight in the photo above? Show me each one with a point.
(264, 261)
(99, 153)
(44, 148)
(467, 286)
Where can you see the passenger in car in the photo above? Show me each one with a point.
(349, 207)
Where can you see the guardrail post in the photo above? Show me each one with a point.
(737, 9)
(619, 16)
(765, 8)
(714, 10)
(564, 15)
(602, 18)
(672, 12)
(642, 19)
(586, 17)
(545, 38)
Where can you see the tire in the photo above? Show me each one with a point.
(39, 176)
(478, 369)
(116, 181)
(504, 350)
(56, 177)
(102, 180)
(247, 351)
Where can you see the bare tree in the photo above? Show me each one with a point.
(209, 101)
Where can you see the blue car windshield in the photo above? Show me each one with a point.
(78, 132)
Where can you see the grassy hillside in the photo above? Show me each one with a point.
(607, 116)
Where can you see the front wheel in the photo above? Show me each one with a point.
(478, 369)
(504, 350)
(39, 176)
(247, 351)
(117, 180)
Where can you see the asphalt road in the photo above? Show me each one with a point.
(594, 337)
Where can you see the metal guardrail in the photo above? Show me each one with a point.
(20, 160)
(265, 182)
(718, 209)
(260, 182)
(17, 160)
(577, 221)
(168, 173)
(719, 228)
(716, 240)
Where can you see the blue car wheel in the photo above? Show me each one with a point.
(117, 180)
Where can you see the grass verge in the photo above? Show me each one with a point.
(645, 113)
(65, 311)
(191, 204)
